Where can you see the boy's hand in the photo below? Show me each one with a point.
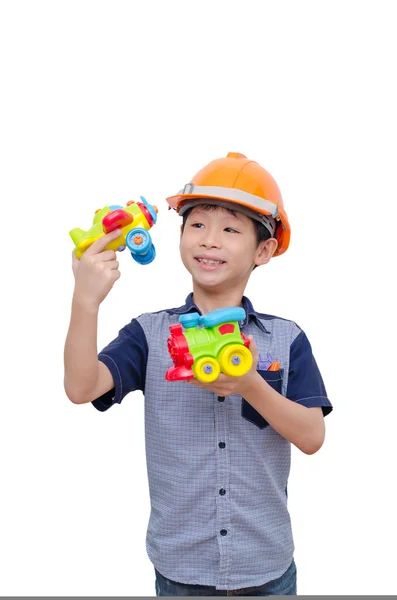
(226, 385)
(95, 272)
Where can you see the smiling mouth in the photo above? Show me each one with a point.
(207, 264)
(207, 261)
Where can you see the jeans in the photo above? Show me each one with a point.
(283, 586)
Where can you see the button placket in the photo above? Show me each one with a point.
(222, 497)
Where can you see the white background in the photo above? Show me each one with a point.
(102, 102)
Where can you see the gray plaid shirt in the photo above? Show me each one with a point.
(217, 471)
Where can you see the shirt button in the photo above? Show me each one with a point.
(222, 445)
(223, 532)
(221, 398)
(222, 492)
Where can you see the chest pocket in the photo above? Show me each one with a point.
(248, 412)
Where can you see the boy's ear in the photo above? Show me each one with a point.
(265, 251)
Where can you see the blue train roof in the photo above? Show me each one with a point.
(213, 318)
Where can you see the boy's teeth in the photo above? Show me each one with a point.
(210, 262)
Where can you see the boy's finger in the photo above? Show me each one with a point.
(252, 342)
(107, 255)
(253, 349)
(102, 242)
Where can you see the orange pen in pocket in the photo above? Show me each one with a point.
(275, 366)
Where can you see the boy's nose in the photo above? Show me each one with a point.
(210, 238)
(210, 242)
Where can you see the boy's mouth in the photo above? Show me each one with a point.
(209, 264)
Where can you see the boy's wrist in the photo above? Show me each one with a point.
(250, 384)
(85, 304)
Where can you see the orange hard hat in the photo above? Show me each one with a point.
(241, 184)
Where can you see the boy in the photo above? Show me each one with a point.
(218, 454)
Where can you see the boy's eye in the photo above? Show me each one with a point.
(200, 225)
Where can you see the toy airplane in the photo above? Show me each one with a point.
(134, 220)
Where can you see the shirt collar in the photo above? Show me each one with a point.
(250, 312)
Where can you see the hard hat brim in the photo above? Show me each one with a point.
(236, 196)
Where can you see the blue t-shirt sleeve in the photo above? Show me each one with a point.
(126, 358)
(305, 384)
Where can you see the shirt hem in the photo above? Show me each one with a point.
(257, 582)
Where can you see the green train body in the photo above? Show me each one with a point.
(209, 341)
(209, 345)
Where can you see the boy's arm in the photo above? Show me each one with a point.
(95, 274)
(86, 378)
(298, 416)
(302, 426)
(120, 368)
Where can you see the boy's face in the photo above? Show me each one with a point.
(220, 249)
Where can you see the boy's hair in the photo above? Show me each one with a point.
(262, 234)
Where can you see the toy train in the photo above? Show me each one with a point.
(210, 344)
(134, 220)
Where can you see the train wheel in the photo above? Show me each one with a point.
(206, 369)
(235, 360)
